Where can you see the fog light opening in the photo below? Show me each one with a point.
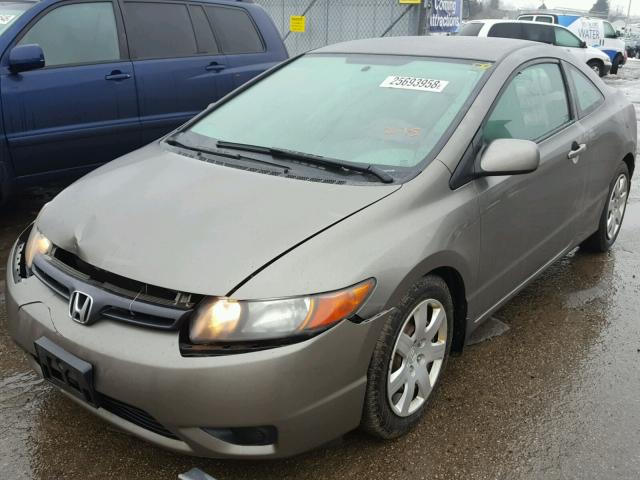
(245, 436)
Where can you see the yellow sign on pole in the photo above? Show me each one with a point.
(297, 23)
(415, 2)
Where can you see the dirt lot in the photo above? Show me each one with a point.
(555, 397)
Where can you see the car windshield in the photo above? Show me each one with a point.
(10, 11)
(380, 110)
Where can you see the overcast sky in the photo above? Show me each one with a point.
(578, 4)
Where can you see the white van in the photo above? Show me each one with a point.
(538, 32)
(597, 32)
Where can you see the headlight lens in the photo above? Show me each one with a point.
(37, 243)
(228, 320)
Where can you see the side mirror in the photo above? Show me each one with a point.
(618, 33)
(583, 44)
(508, 156)
(26, 57)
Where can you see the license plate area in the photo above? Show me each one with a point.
(66, 371)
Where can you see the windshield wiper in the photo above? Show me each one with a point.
(310, 158)
(210, 151)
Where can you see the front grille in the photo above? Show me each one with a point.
(126, 287)
(113, 296)
(134, 415)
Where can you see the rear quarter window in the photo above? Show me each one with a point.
(538, 33)
(235, 30)
(471, 29)
(506, 30)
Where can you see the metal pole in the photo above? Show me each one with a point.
(626, 23)
(423, 12)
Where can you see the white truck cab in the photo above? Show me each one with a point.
(596, 32)
(544, 32)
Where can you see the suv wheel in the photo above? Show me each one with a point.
(409, 359)
(597, 66)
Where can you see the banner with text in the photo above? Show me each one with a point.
(446, 16)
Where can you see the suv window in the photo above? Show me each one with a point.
(506, 30)
(471, 29)
(609, 32)
(544, 19)
(538, 33)
(159, 30)
(204, 35)
(564, 38)
(533, 105)
(235, 30)
(82, 33)
(588, 96)
(528, 18)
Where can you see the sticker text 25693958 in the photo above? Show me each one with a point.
(414, 83)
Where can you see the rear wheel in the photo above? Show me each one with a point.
(409, 359)
(597, 66)
(613, 213)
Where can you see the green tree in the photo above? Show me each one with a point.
(601, 7)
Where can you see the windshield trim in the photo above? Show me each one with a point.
(415, 170)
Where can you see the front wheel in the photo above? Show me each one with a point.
(615, 64)
(613, 213)
(409, 359)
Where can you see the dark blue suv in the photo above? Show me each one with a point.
(83, 82)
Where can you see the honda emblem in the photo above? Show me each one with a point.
(80, 307)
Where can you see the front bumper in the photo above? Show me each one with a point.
(312, 391)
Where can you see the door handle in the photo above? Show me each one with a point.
(215, 67)
(576, 150)
(117, 75)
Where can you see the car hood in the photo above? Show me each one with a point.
(181, 223)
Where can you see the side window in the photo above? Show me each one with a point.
(526, 18)
(544, 19)
(159, 30)
(537, 33)
(235, 30)
(506, 30)
(564, 38)
(533, 105)
(588, 95)
(82, 33)
(204, 35)
(609, 32)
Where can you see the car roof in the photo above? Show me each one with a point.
(476, 48)
(493, 21)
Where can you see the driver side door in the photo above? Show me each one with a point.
(529, 220)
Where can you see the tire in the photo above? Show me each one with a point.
(597, 66)
(604, 238)
(429, 296)
(615, 65)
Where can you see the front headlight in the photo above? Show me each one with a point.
(36, 244)
(228, 320)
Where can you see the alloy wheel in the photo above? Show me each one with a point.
(417, 357)
(617, 205)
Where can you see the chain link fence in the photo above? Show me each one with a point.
(331, 21)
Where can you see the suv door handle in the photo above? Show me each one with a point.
(576, 150)
(117, 75)
(215, 67)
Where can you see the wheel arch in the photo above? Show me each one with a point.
(456, 286)
(630, 160)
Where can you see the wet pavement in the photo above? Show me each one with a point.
(556, 396)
